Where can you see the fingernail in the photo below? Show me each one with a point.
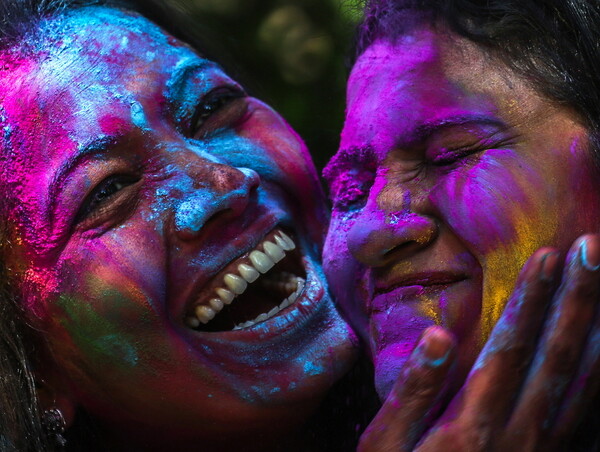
(434, 347)
(549, 265)
(589, 252)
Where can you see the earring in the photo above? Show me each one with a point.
(54, 425)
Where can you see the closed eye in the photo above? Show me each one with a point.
(449, 156)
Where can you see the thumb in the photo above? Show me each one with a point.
(404, 415)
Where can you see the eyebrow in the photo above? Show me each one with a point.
(94, 147)
(184, 70)
(421, 133)
(427, 129)
(356, 156)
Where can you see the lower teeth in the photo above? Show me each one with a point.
(284, 304)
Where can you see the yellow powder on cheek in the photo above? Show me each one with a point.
(502, 266)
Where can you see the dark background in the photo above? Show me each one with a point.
(290, 53)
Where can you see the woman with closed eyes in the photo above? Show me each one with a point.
(470, 142)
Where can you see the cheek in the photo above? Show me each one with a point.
(106, 288)
(88, 334)
(287, 161)
(503, 209)
(344, 275)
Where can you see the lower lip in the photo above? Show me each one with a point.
(410, 294)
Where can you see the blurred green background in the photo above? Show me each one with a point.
(291, 54)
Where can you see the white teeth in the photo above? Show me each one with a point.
(284, 241)
(192, 322)
(298, 285)
(205, 314)
(292, 297)
(275, 252)
(261, 261)
(244, 325)
(236, 284)
(299, 288)
(216, 304)
(261, 318)
(248, 273)
(225, 295)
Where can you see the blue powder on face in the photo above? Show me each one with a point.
(138, 116)
(312, 369)
(192, 213)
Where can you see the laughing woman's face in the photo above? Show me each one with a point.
(164, 231)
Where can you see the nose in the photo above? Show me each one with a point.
(380, 236)
(220, 191)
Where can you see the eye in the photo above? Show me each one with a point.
(445, 157)
(220, 108)
(103, 195)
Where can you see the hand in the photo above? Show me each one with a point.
(532, 382)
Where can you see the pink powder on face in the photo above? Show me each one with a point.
(123, 216)
(471, 171)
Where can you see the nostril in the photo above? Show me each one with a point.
(217, 219)
(204, 209)
(376, 243)
(252, 178)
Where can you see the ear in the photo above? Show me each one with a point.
(52, 392)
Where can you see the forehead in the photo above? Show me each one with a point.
(87, 57)
(83, 73)
(425, 76)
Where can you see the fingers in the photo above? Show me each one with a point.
(415, 396)
(486, 399)
(560, 348)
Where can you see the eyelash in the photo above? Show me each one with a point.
(100, 197)
(450, 156)
(212, 103)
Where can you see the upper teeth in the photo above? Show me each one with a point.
(236, 284)
(261, 261)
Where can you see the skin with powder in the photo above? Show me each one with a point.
(156, 177)
(452, 171)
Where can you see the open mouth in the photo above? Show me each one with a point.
(251, 289)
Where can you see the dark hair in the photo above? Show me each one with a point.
(554, 44)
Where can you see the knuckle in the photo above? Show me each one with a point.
(472, 439)
(420, 386)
